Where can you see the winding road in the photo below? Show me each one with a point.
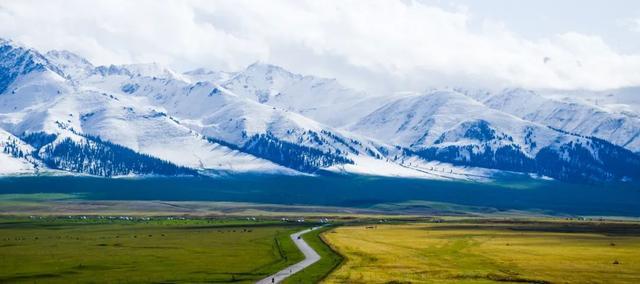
(310, 257)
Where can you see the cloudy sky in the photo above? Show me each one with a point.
(376, 45)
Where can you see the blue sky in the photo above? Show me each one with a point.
(616, 21)
(375, 45)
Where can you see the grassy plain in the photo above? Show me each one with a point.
(63, 250)
(190, 241)
(488, 252)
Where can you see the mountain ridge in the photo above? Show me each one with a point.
(267, 119)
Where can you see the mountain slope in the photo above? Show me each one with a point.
(244, 124)
(15, 155)
(573, 116)
(323, 100)
(45, 101)
(451, 127)
(142, 107)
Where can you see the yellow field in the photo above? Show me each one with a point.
(488, 252)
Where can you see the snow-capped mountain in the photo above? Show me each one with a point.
(71, 65)
(244, 124)
(570, 114)
(44, 102)
(207, 75)
(324, 100)
(450, 126)
(59, 112)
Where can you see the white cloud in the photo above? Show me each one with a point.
(631, 24)
(376, 45)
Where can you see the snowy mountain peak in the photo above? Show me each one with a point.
(141, 70)
(18, 57)
(71, 64)
(324, 100)
(17, 60)
(153, 70)
(67, 57)
(208, 75)
(261, 82)
(444, 99)
(14, 45)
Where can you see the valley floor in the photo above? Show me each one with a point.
(488, 252)
(61, 238)
(141, 250)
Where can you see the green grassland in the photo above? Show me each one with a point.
(484, 251)
(65, 250)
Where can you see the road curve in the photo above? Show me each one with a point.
(310, 257)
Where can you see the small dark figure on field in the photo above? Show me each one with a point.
(616, 262)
